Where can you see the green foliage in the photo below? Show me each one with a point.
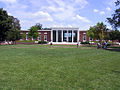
(115, 19)
(23, 35)
(4, 24)
(84, 43)
(42, 42)
(33, 33)
(25, 41)
(9, 27)
(38, 26)
(98, 31)
(114, 35)
(14, 33)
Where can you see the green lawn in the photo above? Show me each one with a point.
(42, 67)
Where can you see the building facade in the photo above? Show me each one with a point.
(62, 35)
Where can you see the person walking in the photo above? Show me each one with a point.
(78, 44)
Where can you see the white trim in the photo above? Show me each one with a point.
(62, 35)
(74, 43)
(45, 32)
(51, 35)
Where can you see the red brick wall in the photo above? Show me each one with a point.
(48, 33)
(81, 36)
(42, 33)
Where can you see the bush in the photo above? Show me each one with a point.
(85, 43)
(108, 44)
(26, 41)
(42, 42)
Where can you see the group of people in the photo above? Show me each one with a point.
(104, 45)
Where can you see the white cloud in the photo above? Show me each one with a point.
(102, 12)
(83, 19)
(98, 11)
(49, 13)
(41, 14)
(8, 1)
(81, 3)
(108, 9)
(95, 10)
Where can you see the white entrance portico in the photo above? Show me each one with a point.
(64, 35)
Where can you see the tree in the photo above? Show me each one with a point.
(101, 31)
(23, 35)
(33, 33)
(38, 26)
(4, 24)
(14, 32)
(115, 19)
(90, 33)
(114, 35)
(9, 27)
(115, 22)
(98, 31)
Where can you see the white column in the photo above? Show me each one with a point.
(62, 35)
(51, 35)
(78, 36)
(56, 35)
(67, 36)
(72, 36)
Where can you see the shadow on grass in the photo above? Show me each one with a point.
(114, 49)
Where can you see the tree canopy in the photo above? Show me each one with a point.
(9, 27)
(4, 24)
(115, 19)
(98, 31)
(33, 33)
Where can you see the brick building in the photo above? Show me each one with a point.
(62, 35)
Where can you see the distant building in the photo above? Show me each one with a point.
(62, 35)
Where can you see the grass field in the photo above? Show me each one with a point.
(42, 67)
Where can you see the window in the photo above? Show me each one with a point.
(54, 36)
(26, 37)
(59, 36)
(39, 38)
(65, 36)
(84, 37)
(75, 36)
(45, 37)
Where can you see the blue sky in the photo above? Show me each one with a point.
(59, 13)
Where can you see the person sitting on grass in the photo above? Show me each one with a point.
(105, 45)
(98, 45)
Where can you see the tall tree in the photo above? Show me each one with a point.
(101, 31)
(115, 19)
(33, 33)
(4, 24)
(114, 35)
(14, 33)
(90, 33)
(38, 26)
(9, 27)
(98, 31)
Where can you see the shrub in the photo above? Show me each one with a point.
(26, 41)
(85, 43)
(42, 42)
